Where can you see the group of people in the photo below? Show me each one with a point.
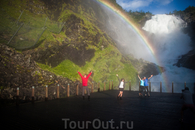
(144, 85)
(121, 86)
(186, 95)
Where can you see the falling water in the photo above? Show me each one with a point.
(169, 41)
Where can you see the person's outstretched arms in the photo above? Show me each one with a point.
(89, 74)
(80, 74)
(139, 77)
(150, 77)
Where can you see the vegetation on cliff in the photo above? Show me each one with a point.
(80, 46)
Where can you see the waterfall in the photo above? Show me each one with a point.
(170, 42)
(165, 32)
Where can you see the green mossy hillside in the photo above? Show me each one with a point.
(105, 65)
(79, 37)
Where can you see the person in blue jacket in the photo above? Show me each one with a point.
(146, 84)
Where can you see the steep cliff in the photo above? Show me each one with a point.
(52, 40)
(188, 15)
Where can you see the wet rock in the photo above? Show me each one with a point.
(19, 70)
(187, 60)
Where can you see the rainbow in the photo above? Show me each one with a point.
(140, 33)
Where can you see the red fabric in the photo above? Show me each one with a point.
(190, 106)
(84, 80)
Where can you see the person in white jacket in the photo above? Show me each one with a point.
(121, 87)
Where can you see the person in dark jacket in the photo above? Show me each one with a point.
(188, 102)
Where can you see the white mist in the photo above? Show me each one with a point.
(167, 40)
(165, 32)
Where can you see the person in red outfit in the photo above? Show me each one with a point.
(84, 84)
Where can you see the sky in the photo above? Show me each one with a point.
(155, 6)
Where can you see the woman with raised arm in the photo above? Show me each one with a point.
(84, 83)
(141, 86)
(121, 87)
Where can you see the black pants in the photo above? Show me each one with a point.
(142, 89)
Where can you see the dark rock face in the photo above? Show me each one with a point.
(145, 18)
(149, 69)
(144, 68)
(74, 46)
(190, 30)
(187, 60)
(188, 15)
(61, 53)
(55, 7)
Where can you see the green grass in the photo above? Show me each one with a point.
(66, 69)
(105, 65)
